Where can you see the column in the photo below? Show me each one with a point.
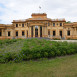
(42, 31)
(33, 31)
(46, 32)
(29, 31)
(75, 31)
(2, 32)
(38, 31)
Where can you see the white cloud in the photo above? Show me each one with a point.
(22, 9)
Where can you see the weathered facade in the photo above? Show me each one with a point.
(39, 26)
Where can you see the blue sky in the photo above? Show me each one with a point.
(22, 9)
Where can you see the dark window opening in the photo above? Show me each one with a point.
(32, 31)
(0, 33)
(16, 25)
(27, 24)
(53, 24)
(48, 24)
(22, 33)
(40, 31)
(16, 33)
(22, 25)
(68, 33)
(27, 33)
(61, 33)
(54, 33)
(36, 31)
(9, 33)
(60, 24)
(48, 32)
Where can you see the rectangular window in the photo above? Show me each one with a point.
(54, 33)
(40, 31)
(61, 33)
(16, 33)
(27, 24)
(16, 25)
(22, 25)
(49, 32)
(53, 24)
(8, 33)
(68, 32)
(0, 33)
(22, 33)
(60, 24)
(48, 24)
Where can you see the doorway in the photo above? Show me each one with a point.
(36, 31)
(40, 31)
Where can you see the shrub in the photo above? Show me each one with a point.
(58, 53)
(36, 48)
(64, 53)
(45, 54)
(68, 52)
(52, 54)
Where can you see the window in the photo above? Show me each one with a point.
(0, 33)
(53, 33)
(61, 33)
(27, 24)
(22, 25)
(16, 25)
(48, 32)
(48, 24)
(22, 33)
(8, 33)
(60, 24)
(68, 32)
(16, 33)
(53, 24)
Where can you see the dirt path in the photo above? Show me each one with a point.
(65, 40)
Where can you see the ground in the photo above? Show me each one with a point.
(59, 67)
(65, 40)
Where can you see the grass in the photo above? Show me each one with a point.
(58, 67)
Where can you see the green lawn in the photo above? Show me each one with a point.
(58, 67)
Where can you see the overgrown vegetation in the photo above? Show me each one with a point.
(31, 49)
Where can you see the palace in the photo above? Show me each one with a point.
(39, 26)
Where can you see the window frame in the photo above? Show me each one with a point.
(22, 25)
(16, 25)
(0, 33)
(53, 24)
(9, 33)
(16, 34)
(22, 33)
(68, 32)
(60, 24)
(54, 34)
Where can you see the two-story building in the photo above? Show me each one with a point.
(39, 26)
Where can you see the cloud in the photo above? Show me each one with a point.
(22, 9)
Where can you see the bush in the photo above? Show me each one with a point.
(58, 53)
(52, 54)
(64, 53)
(36, 49)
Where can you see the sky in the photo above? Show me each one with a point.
(22, 9)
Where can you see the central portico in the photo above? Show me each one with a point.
(37, 31)
(38, 25)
